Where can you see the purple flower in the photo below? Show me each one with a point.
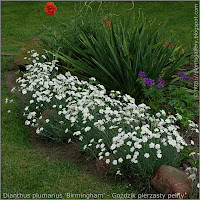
(181, 74)
(191, 79)
(160, 83)
(141, 74)
(148, 81)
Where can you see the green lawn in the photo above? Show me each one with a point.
(24, 170)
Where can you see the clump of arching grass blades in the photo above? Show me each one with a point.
(107, 126)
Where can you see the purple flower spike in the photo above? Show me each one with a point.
(148, 81)
(181, 74)
(160, 83)
(191, 79)
(141, 74)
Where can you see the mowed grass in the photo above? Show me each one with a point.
(24, 170)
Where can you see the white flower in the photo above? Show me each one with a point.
(163, 112)
(100, 140)
(128, 156)
(118, 172)
(77, 133)
(27, 122)
(115, 151)
(137, 128)
(178, 116)
(43, 56)
(157, 146)
(113, 146)
(132, 149)
(192, 153)
(158, 114)
(107, 154)
(120, 160)
(151, 145)
(92, 140)
(137, 145)
(198, 185)
(24, 91)
(80, 138)
(114, 162)
(192, 177)
(107, 161)
(159, 155)
(6, 100)
(13, 89)
(100, 153)
(144, 139)
(9, 111)
(69, 140)
(192, 142)
(129, 143)
(37, 130)
(87, 129)
(146, 155)
(92, 79)
(31, 101)
(47, 120)
(66, 130)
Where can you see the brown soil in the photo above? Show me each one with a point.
(64, 151)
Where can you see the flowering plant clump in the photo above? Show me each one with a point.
(177, 99)
(151, 82)
(105, 125)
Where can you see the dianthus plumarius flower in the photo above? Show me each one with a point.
(50, 8)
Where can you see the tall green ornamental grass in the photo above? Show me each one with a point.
(117, 51)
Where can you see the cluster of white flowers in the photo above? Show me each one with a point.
(191, 171)
(106, 124)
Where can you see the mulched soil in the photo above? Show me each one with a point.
(66, 151)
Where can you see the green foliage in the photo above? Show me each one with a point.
(114, 54)
(176, 98)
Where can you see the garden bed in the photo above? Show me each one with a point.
(127, 111)
(69, 152)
